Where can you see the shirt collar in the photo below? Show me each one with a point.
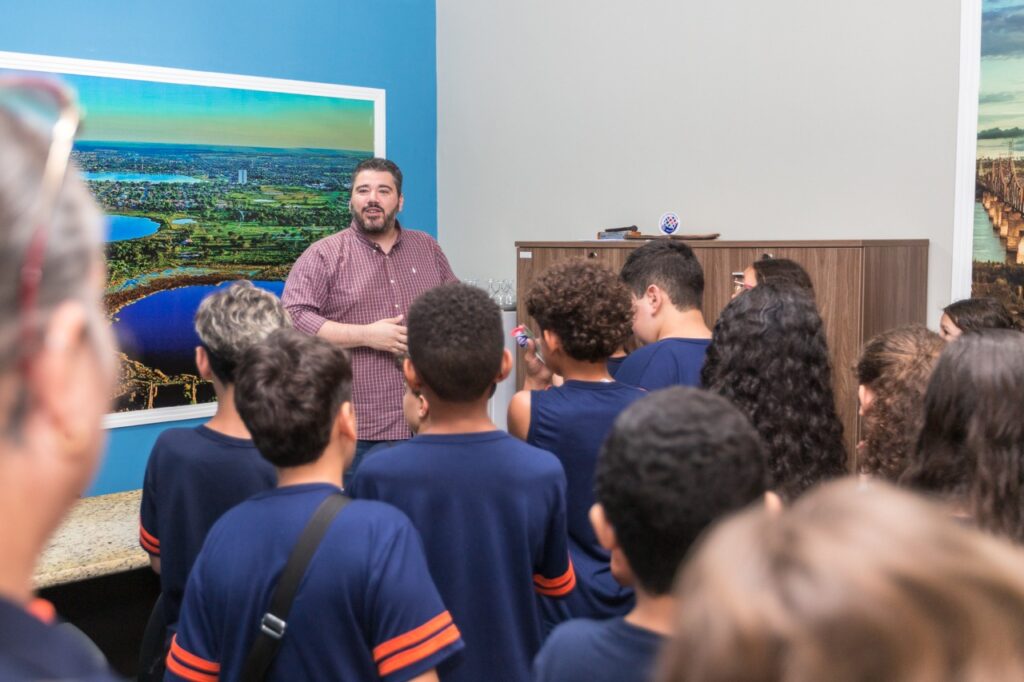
(361, 236)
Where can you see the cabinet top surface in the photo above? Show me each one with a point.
(718, 244)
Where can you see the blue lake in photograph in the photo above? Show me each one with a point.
(158, 329)
(155, 178)
(121, 227)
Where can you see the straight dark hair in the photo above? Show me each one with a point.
(971, 447)
(670, 265)
(288, 391)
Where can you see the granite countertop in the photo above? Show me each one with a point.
(99, 537)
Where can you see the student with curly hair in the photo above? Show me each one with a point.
(675, 462)
(893, 373)
(971, 449)
(849, 584)
(768, 356)
(777, 271)
(667, 283)
(972, 315)
(584, 313)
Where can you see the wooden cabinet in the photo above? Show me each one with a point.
(862, 287)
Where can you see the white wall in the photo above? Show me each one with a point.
(796, 119)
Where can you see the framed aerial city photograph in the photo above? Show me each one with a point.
(205, 178)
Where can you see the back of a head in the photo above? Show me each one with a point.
(672, 266)
(976, 314)
(971, 447)
(456, 341)
(782, 272)
(768, 356)
(849, 585)
(895, 366)
(586, 305)
(288, 391)
(73, 243)
(232, 319)
(674, 462)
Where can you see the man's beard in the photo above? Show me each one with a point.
(385, 226)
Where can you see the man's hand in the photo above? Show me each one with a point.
(387, 335)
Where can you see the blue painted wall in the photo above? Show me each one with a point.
(386, 44)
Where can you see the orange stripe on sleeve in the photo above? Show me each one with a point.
(187, 673)
(148, 547)
(190, 659)
(556, 587)
(146, 535)
(428, 629)
(449, 635)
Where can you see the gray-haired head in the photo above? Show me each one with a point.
(73, 245)
(231, 320)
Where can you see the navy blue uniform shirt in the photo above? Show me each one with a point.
(571, 421)
(491, 510)
(33, 646)
(664, 363)
(193, 476)
(598, 651)
(366, 608)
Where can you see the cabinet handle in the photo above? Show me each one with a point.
(591, 254)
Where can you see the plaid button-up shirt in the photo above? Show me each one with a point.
(347, 278)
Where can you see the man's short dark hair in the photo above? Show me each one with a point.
(672, 266)
(456, 341)
(288, 390)
(586, 305)
(378, 164)
(674, 462)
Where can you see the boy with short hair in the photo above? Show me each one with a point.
(667, 283)
(490, 508)
(195, 475)
(366, 607)
(675, 462)
(579, 331)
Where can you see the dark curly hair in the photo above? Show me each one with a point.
(586, 305)
(975, 314)
(971, 447)
(896, 366)
(456, 341)
(769, 357)
(782, 272)
(674, 462)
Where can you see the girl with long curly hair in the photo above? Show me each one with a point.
(893, 374)
(971, 449)
(768, 356)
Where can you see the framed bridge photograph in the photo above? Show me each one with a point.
(205, 178)
(988, 244)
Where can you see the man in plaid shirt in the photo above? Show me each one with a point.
(354, 289)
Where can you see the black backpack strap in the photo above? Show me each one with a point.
(275, 620)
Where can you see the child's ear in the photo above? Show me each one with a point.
(412, 378)
(655, 297)
(506, 366)
(773, 503)
(203, 363)
(602, 528)
(551, 340)
(345, 422)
